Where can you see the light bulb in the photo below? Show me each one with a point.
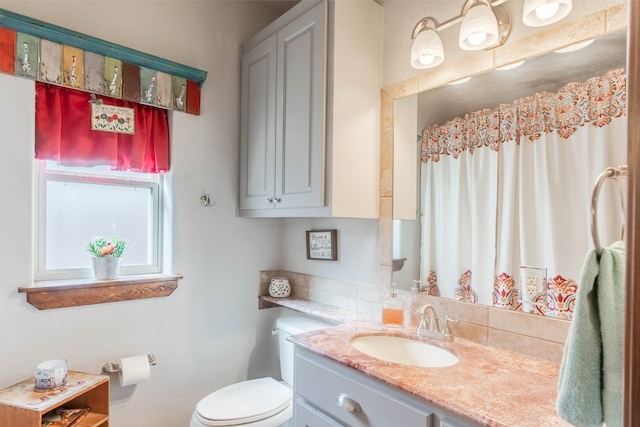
(547, 10)
(427, 58)
(537, 13)
(426, 50)
(479, 28)
(477, 39)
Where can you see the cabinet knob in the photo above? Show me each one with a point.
(269, 200)
(278, 199)
(347, 403)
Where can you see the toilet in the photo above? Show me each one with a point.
(261, 402)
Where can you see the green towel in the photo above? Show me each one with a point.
(590, 381)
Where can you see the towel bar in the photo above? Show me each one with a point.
(610, 172)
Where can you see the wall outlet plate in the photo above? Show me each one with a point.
(533, 282)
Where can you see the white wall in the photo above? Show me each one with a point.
(209, 332)
(357, 249)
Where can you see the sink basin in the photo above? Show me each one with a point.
(404, 351)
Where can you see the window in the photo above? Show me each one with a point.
(76, 204)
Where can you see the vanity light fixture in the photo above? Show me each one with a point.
(483, 26)
(537, 13)
(426, 50)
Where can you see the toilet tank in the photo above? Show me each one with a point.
(292, 323)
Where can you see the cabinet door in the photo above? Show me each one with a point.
(300, 129)
(257, 126)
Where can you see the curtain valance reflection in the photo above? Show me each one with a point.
(596, 101)
(63, 133)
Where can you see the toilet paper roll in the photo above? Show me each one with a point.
(134, 370)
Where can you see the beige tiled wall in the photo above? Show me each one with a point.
(362, 298)
(529, 334)
(536, 336)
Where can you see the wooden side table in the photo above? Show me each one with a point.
(22, 406)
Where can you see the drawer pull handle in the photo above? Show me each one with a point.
(344, 401)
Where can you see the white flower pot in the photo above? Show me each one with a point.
(106, 268)
(279, 287)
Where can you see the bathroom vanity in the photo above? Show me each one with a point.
(337, 385)
(330, 394)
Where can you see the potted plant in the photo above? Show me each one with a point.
(106, 257)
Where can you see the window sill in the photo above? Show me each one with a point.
(46, 295)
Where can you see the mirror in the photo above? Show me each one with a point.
(412, 114)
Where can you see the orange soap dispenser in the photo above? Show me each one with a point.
(392, 311)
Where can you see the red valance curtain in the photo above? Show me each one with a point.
(64, 134)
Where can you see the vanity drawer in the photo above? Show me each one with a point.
(307, 416)
(351, 398)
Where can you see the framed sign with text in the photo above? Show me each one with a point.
(322, 245)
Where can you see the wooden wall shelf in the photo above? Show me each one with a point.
(71, 293)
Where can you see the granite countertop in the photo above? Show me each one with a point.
(490, 386)
(323, 311)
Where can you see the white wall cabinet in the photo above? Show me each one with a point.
(282, 117)
(310, 102)
(328, 393)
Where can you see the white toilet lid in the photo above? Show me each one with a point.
(244, 402)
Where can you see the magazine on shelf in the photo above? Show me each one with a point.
(64, 417)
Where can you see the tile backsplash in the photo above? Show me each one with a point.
(536, 336)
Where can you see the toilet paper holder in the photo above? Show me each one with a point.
(114, 368)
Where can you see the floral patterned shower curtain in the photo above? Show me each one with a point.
(512, 186)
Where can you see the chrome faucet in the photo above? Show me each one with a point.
(429, 325)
